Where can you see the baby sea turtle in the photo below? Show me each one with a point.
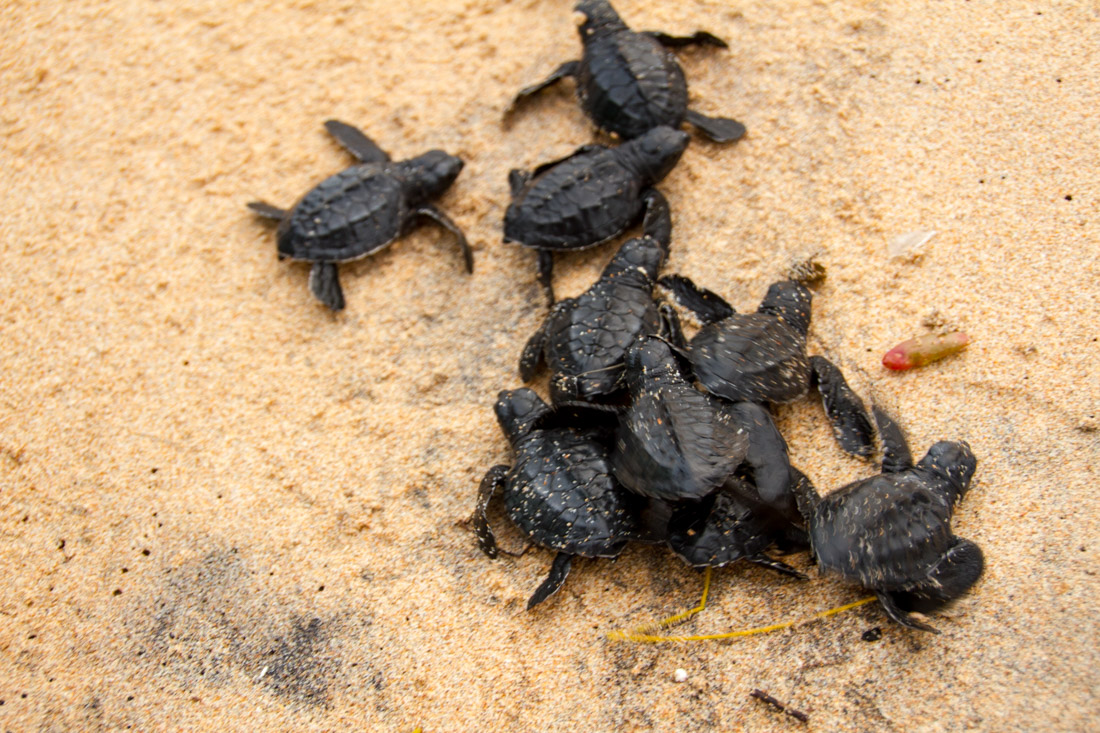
(584, 339)
(591, 196)
(673, 441)
(629, 83)
(725, 527)
(892, 532)
(761, 357)
(559, 492)
(362, 209)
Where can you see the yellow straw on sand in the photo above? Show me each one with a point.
(639, 633)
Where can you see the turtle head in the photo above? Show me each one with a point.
(517, 410)
(427, 176)
(597, 16)
(656, 152)
(954, 463)
(644, 254)
(791, 301)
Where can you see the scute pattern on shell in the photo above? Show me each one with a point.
(752, 357)
(628, 83)
(348, 215)
(561, 493)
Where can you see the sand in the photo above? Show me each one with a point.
(223, 508)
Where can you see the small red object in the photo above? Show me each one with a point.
(924, 349)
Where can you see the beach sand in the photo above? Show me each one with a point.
(224, 508)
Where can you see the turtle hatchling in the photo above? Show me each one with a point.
(761, 357)
(592, 196)
(362, 209)
(584, 339)
(629, 83)
(559, 491)
(725, 527)
(673, 442)
(891, 533)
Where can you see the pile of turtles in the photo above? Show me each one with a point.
(649, 436)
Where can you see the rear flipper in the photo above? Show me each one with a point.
(559, 571)
(698, 38)
(718, 129)
(489, 485)
(707, 306)
(899, 615)
(958, 569)
(324, 281)
(845, 410)
(780, 567)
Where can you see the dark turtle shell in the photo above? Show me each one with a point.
(561, 493)
(629, 83)
(580, 202)
(673, 442)
(753, 357)
(586, 337)
(885, 532)
(351, 214)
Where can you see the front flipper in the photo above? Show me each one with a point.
(903, 618)
(896, 456)
(268, 211)
(657, 223)
(778, 566)
(559, 571)
(356, 143)
(718, 129)
(699, 38)
(845, 410)
(569, 68)
(672, 331)
(444, 221)
(958, 569)
(532, 353)
(707, 306)
(769, 459)
(517, 179)
(493, 480)
(324, 281)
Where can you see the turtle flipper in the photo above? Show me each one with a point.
(846, 412)
(900, 616)
(268, 211)
(672, 331)
(559, 571)
(895, 448)
(444, 221)
(718, 129)
(569, 68)
(532, 353)
(958, 569)
(494, 477)
(356, 143)
(324, 281)
(698, 38)
(517, 179)
(707, 306)
(769, 460)
(657, 222)
(778, 566)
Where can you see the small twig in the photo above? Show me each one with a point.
(765, 697)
